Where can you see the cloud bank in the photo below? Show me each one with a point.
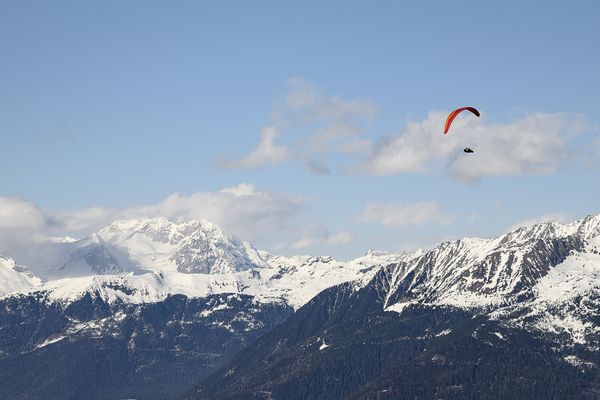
(241, 209)
(537, 144)
(266, 152)
(313, 124)
(309, 125)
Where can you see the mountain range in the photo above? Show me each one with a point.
(155, 309)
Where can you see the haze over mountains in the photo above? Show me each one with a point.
(153, 297)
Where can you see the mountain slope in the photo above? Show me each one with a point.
(343, 345)
(292, 280)
(516, 316)
(152, 335)
(93, 349)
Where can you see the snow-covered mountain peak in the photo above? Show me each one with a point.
(158, 229)
(15, 277)
(585, 228)
(375, 253)
(163, 230)
(588, 227)
(474, 272)
(195, 246)
(538, 265)
(523, 237)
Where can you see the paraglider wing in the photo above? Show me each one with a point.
(453, 115)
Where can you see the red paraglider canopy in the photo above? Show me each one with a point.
(453, 115)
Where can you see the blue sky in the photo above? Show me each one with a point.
(108, 109)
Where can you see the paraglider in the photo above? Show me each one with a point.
(453, 115)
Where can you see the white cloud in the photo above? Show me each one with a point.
(26, 231)
(330, 120)
(319, 235)
(82, 220)
(341, 238)
(414, 149)
(399, 214)
(266, 152)
(535, 144)
(20, 215)
(314, 123)
(316, 126)
(302, 243)
(21, 225)
(241, 210)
